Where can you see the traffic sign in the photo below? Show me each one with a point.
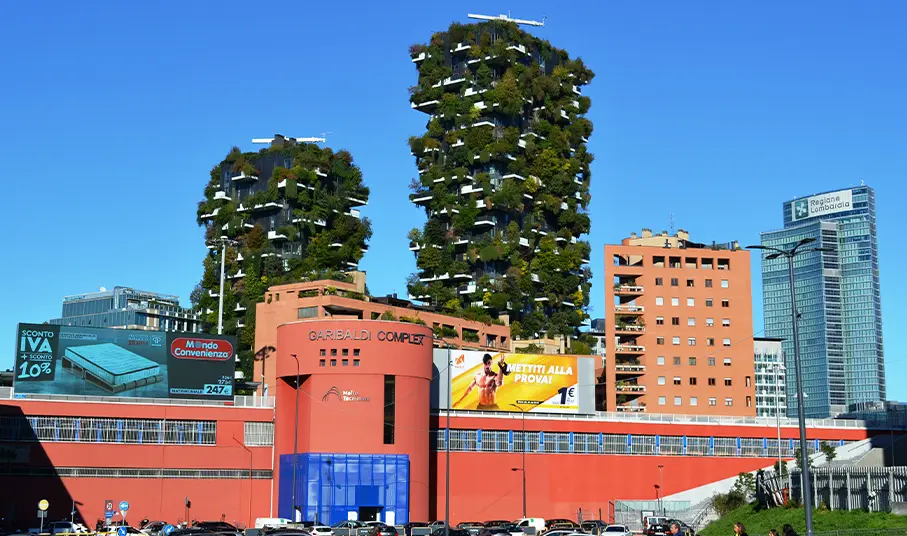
(108, 505)
(167, 529)
(43, 504)
(42, 514)
(108, 514)
(121, 531)
(124, 505)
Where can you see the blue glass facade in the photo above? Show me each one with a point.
(838, 299)
(331, 487)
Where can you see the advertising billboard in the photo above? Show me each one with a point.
(514, 382)
(66, 360)
(821, 205)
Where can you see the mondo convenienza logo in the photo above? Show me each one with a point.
(344, 395)
(202, 349)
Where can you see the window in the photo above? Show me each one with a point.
(355, 352)
(691, 302)
(675, 301)
(749, 401)
(726, 342)
(727, 382)
(321, 362)
(711, 382)
(708, 302)
(747, 381)
(728, 402)
(708, 283)
(674, 282)
(333, 352)
(676, 361)
(727, 361)
(675, 320)
(711, 361)
(692, 381)
(659, 300)
(675, 341)
(390, 386)
(345, 362)
(709, 322)
(694, 401)
(659, 320)
(307, 312)
(725, 303)
(726, 322)
(691, 341)
(659, 340)
(662, 401)
(709, 341)
(661, 380)
(659, 282)
(355, 362)
(333, 362)
(322, 352)
(724, 283)
(677, 401)
(691, 321)
(676, 380)
(692, 361)
(690, 283)
(345, 352)
(713, 401)
(660, 360)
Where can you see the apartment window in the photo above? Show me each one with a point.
(677, 401)
(708, 302)
(659, 300)
(692, 361)
(675, 320)
(727, 382)
(726, 322)
(661, 380)
(333, 352)
(747, 381)
(709, 322)
(659, 320)
(691, 321)
(676, 361)
(728, 402)
(659, 282)
(713, 401)
(676, 380)
(333, 362)
(674, 282)
(694, 401)
(711, 361)
(355, 362)
(307, 312)
(390, 387)
(355, 352)
(659, 340)
(709, 341)
(727, 361)
(345, 362)
(660, 360)
(749, 401)
(662, 401)
(322, 352)
(708, 283)
(726, 342)
(711, 382)
(321, 362)
(692, 381)
(690, 283)
(691, 341)
(724, 283)
(675, 341)
(725, 303)
(345, 352)
(691, 302)
(675, 301)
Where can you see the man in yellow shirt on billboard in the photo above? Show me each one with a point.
(488, 381)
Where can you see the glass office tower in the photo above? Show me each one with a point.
(838, 298)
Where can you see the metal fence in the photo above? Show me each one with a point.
(629, 513)
(853, 488)
(241, 401)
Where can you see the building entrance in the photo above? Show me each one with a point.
(369, 513)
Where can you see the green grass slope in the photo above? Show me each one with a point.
(759, 522)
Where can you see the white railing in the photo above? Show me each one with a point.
(630, 389)
(239, 401)
(628, 308)
(629, 348)
(630, 368)
(636, 289)
(629, 327)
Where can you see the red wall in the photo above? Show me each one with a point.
(329, 425)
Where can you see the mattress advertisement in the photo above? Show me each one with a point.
(514, 382)
(65, 360)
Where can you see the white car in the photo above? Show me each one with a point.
(617, 530)
(320, 530)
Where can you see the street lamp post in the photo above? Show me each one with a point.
(778, 391)
(661, 488)
(447, 440)
(523, 468)
(223, 241)
(801, 415)
(295, 441)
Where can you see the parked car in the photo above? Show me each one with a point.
(408, 527)
(617, 530)
(285, 531)
(684, 528)
(472, 527)
(593, 526)
(58, 527)
(536, 522)
(496, 523)
(451, 532)
(502, 530)
(657, 529)
(113, 530)
(153, 528)
(320, 530)
(381, 529)
(193, 531)
(563, 524)
(348, 524)
(221, 527)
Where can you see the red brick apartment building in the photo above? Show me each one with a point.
(679, 329)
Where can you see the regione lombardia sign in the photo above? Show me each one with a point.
(821, 205)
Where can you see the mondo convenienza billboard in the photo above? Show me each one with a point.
(66, 360)
(514, 382)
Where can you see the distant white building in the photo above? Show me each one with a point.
(771, 395)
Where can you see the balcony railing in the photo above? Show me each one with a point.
(630, 368)
(628, 289)
(632, 389)
(629, 308)
(629, 348)
(631, 409)
(629, 327)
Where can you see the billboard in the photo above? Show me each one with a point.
(66, 360)
(821, 205)
(514, 382)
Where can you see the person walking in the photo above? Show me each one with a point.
(739, 529)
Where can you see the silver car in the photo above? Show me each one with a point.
(617, 530)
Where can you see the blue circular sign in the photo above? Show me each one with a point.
(124, 505)
(122, 531)
(168, 529)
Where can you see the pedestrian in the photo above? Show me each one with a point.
(739, 529)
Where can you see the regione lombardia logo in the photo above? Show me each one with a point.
(801, 209)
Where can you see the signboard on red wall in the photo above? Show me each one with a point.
(66, 360)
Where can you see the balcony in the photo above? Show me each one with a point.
(213, 294)
(422, 56)
(629, 349)
(274, 235)
(220, 194)
(467, 289)
(632, 309)
(484, 220)
(242, 177)
(270, 205)
(462, 276)
(353, 213)
(426, 106)
(461, 47)
(627, 290)
(238, 275)
(630, 389)
(435, 278)
(514, 176)
(519, 48)
(524, 242)
(336, 245)
(239, 308)
(471, 189)
(631, 409)
(210, 215)
(630, 369)
(240, 324)
(629, 328)
(356, 202)
(420, 199)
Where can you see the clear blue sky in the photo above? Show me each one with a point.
(716, 112)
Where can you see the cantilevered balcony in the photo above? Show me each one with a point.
(274, 235)
(425, 106)
(630, 369)
(220, 194)
(420, 199)
(630, 389)
(239, 307)
(629, 328)
(356, 202)
(242, 177)
(628, 290)
(422, 56)
(629, 309)
(626, 408)
(629, 349)
(210, 215)
(238, 275)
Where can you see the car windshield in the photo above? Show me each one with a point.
(615, 529)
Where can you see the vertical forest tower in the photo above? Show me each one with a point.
(503, 178)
